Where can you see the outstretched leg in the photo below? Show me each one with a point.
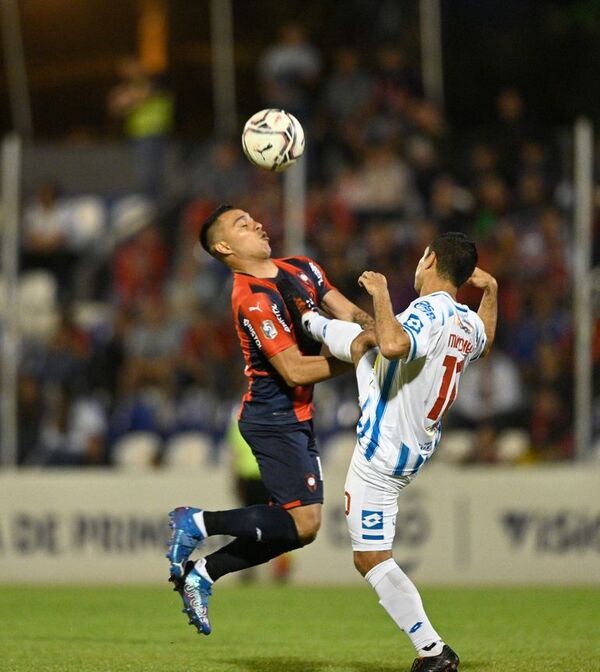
(345, 340)
(338, 335)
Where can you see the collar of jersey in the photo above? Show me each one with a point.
(460, 306)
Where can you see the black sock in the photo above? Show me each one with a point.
(243, 553)
(259, 523)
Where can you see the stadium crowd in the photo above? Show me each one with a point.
(139, 334)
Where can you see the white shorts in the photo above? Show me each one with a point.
(371, 505)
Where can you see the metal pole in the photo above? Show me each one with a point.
(16, 73)
(583, 159)
(11, 178)
(223, 67)
(294, 208)
(432, 65)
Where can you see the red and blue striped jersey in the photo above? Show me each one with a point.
(264, 328)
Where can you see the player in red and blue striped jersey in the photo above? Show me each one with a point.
(275, 418)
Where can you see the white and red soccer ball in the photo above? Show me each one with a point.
(273, 139)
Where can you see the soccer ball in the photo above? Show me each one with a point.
(273, 139)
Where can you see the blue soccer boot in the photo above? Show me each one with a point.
(195, 591)
(184, 539)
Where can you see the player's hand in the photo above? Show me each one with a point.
(373, 282)
(482, 280)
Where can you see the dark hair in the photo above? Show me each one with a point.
(456, 256)
(208, 223)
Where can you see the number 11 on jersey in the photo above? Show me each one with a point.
(442, 404)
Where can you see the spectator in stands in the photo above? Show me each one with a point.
(61, 359)
(45, 236)
(222, 173)
(511, 130)
(381, 187)
(424, 159)
(73, 431)
(289, 71)
(546, 320)
(481, 162)
(492, 205)
(344, 105)
(449, 205)
(151, 346)
(208, 347)
(347, 91)
(146, 108)
(150, 408)
(103, 370)
(395, 82)
(140, 266)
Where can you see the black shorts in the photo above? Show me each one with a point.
(289, 461)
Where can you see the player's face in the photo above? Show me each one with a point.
(421, 267)
(243, 235)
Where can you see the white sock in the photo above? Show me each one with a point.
(399, 597)
(200, 567)
(336, 334)
(199, 520)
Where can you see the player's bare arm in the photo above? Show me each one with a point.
(392, 340)
(488, 308)
(337, 305)
(298, 369)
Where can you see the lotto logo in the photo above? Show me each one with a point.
(372, 520)
(413, 322)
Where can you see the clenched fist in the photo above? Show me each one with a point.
(373, 282)
(482, 280)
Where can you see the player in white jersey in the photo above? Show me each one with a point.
(402, 401)
(408, 372)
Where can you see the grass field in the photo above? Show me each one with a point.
(292, 629)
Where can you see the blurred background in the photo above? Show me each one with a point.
(420, 117)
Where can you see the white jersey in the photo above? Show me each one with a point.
(403, 401)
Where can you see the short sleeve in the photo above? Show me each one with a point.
(265, 319)
(319, 278)
(420, 321)
(419, 332)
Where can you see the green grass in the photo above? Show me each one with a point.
(292, 629)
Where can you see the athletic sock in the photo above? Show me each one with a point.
(198, 518)
(258, 523)
(400, 598)
(242, 554)
(200, 568)
(336, 334)
(431, 649)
